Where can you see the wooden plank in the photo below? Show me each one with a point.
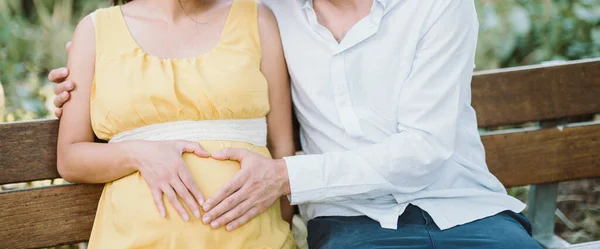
(533, 93)
(28, 151)
(513, 157)
(544, 156)
(47, 216)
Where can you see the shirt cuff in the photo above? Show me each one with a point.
(307, 178)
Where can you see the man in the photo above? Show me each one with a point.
(393, 158)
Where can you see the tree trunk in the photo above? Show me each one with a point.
(28, 8)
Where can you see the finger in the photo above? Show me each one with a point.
(193, 147)
(231, 215)
(65, 86)
(157, 195)
(58, 75)
(58, 112)
(191, 185)
(172, 197)
(253, 212)
(225, 206)
(224, 191)
(229, 154)
(61, 99)
(183, 192)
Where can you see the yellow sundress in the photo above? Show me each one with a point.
(133, 89)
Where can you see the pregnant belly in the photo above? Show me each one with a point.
(209, 174)
(128, 211)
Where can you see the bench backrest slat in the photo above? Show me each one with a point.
(47, 216)
(508, 156)
(543, 156)
(523, 94)
(28, 151)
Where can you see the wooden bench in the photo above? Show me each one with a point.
(551, 150)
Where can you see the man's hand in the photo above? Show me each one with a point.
(259, 183)
(63, 87)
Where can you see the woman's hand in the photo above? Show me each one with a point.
(165, 172)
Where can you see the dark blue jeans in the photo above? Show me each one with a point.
(416, 230)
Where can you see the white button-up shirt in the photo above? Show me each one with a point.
(386, 117)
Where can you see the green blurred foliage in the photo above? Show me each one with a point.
(33, 34)
(525, 32)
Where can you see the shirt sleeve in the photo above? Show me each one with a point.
(431, 101)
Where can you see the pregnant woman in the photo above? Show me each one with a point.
(167, 82)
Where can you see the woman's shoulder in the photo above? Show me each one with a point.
(85, 27)
(84, 34)
(266, 18)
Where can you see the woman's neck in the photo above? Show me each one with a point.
(346, 5)
(175, 10)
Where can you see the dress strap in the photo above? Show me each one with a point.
(241, 30)
(93, 16)
(112, 34)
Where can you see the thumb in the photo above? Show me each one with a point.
(228, 154)
(193, 147)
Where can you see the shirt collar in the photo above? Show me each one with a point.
(384, 3)
(309, 3)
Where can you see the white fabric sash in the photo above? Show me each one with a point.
(252, 131)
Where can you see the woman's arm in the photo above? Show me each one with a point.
(81, 160)
(279, 120)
